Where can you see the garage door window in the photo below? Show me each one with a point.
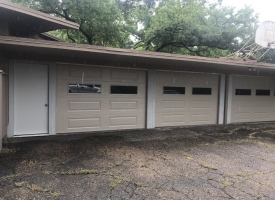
(84, 88)
(118, 89)
(202, 91)
(173, 90)
(263, 92)
(243, 92)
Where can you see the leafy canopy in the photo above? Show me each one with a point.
(196, 27)
(192, 27)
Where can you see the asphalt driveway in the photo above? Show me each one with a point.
(205, 162)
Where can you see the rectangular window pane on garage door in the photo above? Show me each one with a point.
(118, 89)
(173, 90)
(84, 88)
(202, 91)
(262, 92)
(243, 92)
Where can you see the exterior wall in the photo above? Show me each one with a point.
(151, 99)
(252, 108)
(3, 96)
(186, 109)
(85, 112)
(4, 26)
(4, 105)
(222, 98)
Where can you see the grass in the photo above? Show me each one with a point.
(244, 175)
(189, 157)
(46, 172)
(19, 184)
(11, 176)
(54, 194)
(208, 166)
(7, 151)
(37, 188)
(225, 183)
(79, 172)
(116, 182)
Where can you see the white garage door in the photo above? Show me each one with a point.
(186, 99)
(94, 98)
(252, 99)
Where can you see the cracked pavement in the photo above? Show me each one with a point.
(202, 162)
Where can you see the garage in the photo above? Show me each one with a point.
(91, 98)
(186, 98)
(253, 99)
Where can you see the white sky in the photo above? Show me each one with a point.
(265, 8)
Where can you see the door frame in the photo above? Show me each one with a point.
(51, 96)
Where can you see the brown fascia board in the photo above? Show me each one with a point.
(21, 9)
(74, 47)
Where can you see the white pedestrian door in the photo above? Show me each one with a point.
(30, 99)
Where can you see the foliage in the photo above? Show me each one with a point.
(192, 27)
(197, 28)
(101, 22)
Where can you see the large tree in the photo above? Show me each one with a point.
(196, 27)
(177, 26)
(101, 22)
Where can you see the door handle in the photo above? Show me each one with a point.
(46, 105)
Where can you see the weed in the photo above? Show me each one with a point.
(19, 184)
(225, 183)
(54, 194)
(148, 162)
(36, 188)
(189, 157)
(118, 163)
(246, 176)
(164, 157)
(7, 151)
(46, 172)
(116, 182)
(79, 172)
(208, 166)
(11, 176)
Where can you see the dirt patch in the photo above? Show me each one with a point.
(203, 162)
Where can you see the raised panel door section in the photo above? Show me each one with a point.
(186, 98)
(119, 104)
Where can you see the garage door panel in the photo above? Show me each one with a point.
(186, 109)
(123, 105)
(241, 109)
(123, 121)
(200, 117)
(244, 117)
(261, 109)
(80, 106)
(170, 104)
(261, 115)
(199, 104)
(252, 108)
(84, 112)
(173, 119)
(84, 123)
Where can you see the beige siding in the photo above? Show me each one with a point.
(104, 111)
(186, 109)
(253, 108)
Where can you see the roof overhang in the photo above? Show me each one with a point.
(25, 21)
(88, 54)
